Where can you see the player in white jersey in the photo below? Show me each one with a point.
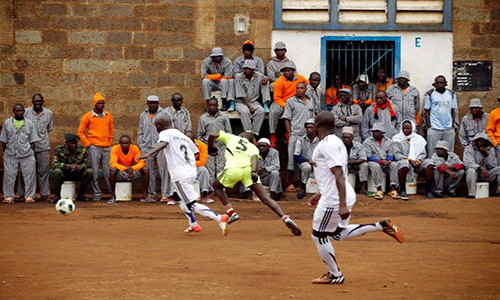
(180, 156)
(335, 200)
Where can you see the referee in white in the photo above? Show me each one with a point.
(335, 200)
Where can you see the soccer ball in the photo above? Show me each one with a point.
(65, 206)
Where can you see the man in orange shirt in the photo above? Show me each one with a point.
(383, 81)
(493, 129)
(96, 134)
(285, 87)
(125, 167)
(332, 97)
(202, 174)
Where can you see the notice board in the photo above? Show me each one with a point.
(472, 76)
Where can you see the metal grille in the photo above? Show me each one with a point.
(352, 58)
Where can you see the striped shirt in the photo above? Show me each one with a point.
(375, 150)
(274, 67)
(18, 142)
(357, 151)
(225, 68)
(251, 89)
(384, 116)
(240, 61)
(363, 95)
(315, 95)
(44, 123)
(354, 118)
(470, 127)
(408, 102)
(148, 136)
(208, 124)
(181, 119)
(453, 159)
(474, 159)
(271, 162)
(305, 147)
(298, 112)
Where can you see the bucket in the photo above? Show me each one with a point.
(351, 178)
(196, 187)
(217, 95)
(312, 185)
(482, 190)
(411, 184)
(123, 191)
(371, 185)
(68, 190)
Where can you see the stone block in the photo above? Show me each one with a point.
(464, 39)
(38, 23)
(148, 66)
(85, 10)
(230, 39)
(32, 51)
(119, 38)
(182, 39)
(158, 39)
(222, 26)
(177, 25)
(113, 10)
(467, 54)
(29, 9)
(7, 79)
(69, 23)
(134, 52)
(107, 52)
(7, 65)
(486, 41)
(192, 81)
(162, 92)
(194, 53)
(182, 12)
(46, 65)
(260, 12)
(114, 24)
(86, 65)
(106, 79)
(72, 79)
(168, 53)
(460, 4)
(472, 14)
(185, 66)
(151, 25)
(152, 11)
(229, 11)
(52, 9)
(54, 37)
(124, 66)
(262, 33)
(495, 14)
(122, 94)
(28, 36)
(70, 52)
(205, 23)
(57, 92)
(177, 1)
(43, 78)
(491, 28)
(86, 37)
(171, 80)
(131, 1)
(142, 79)
(139, 38)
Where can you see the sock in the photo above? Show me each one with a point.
(354, 230)
(189, 214)
(229, 209)
(273, 138)
(205, 211)
(327, 254)
(284, 218)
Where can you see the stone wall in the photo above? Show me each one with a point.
(126, 49)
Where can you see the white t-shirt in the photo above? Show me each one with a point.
(180, 154)
(331, 152)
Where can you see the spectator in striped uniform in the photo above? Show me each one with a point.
(347, 113)
(363, 92)
(357, 162)
(493, 129)
(381, 112)
(303, 155)
(96, 133)
(217, 74)
(448, 170)
(383, 81)
(181, 119)
(473, 123)
(405, 97)
(201, 171)
(314, 90)
(276, 63)
(331, 93)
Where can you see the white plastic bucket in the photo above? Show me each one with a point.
(268, 192)
(482, 190)
(351, 178)
(312, 185)
(196, 187)
(68, 190)
(218, 95)
(123, 191)
(411, 184)
(371, 184)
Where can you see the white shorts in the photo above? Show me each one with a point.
(185, 190)
(327, 219)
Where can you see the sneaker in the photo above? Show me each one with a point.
(195, 229)
(231, 106)
(438, 195)
(294, 228)
(391, 229)
(233, 218)
(111, 201)
(224, 224)
(207, 200)
(302, 193)
(429, 195)
(329, 279)
(266, 107)
(171, 201)
(404, 196)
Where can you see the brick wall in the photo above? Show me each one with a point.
(126, 49)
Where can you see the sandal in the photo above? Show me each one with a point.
(394, 194)
(369, 194)
(164, 199)
(30, 200)
(148, 200)
(291, 188)
(8, 200)
(379, 195)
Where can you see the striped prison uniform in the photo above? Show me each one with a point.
(443, 179)
(376, 152)
(402, 150)
(315, 95)
(147, 139)
(240, 61)
(357, 152)
(473, 160)
(270, 175)
(354, 118)
(470, 127)
(297, 112)
(219, 77)
(367, 95)
(208, 124)
(251, 89)
(19, 153)
(303, 153)
(384, 116)
(181, 119)
(274, 68)
(407, 101)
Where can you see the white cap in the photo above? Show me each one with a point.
(153, 98)
(265, 141)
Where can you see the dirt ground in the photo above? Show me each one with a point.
(139, 251)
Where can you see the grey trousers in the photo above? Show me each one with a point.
(305, 171)
(434, 136)
(11, 168)
(451, 184)
(497, 150)
(361, 170)
(226, 87)
(216, 164)
(275, 112)
(251, 122)
(391, 170)
(42, 159)
(471, 178)
(99, 156)
(203, 177)
(272, 180)
(166, 185)
(292, 142)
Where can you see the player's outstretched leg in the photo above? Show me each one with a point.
(219, 192)
(261, 193)
(205, 211)
(193, 225)
(354, 230)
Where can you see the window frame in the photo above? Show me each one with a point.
(391, 24)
